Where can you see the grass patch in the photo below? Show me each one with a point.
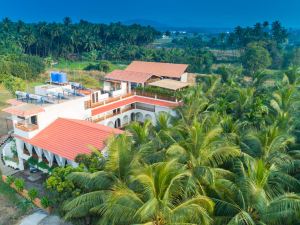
(4, 96)
(71, 65)
(80, 65)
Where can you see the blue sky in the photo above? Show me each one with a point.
(196, 13)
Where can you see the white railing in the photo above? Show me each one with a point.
(11, 164)
(117, 93)
(7, 155)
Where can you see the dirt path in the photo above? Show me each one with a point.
(8, 212)
(5, 125)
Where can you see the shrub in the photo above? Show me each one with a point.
(32, 193)
(32, 161)
(104, 66)
(13, 84)
(92, 66)
(19, 184)
(10, 180)
(45, 202)
(43, 165)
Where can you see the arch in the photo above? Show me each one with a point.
(125, 120)
(111, 124)
(132, 116)
(148, 117)
(118, 123)
(139, 117)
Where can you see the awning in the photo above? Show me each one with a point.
(169, 84)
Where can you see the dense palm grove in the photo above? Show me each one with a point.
(229, 157)
(61, 39)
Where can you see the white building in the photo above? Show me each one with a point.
(58, 122)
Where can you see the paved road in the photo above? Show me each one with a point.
(42, 218)
(34, 218)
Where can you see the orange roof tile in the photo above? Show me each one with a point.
(70, 137)
(14, 102)
(130, 76)
(24, 109)
(159, 69)
(130, 100)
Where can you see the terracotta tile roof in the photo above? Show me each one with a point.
(69, 137)
(130, 76)
(24, 109)
(159, 69)
(130, 100)
(14, 102)
(169, 84)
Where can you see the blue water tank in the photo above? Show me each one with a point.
(58, 77)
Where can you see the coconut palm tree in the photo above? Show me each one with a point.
(122, 158)
(160, 194)
(258, 191)
(203, 150)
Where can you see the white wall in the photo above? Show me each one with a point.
(184, 77)
(71, 109)
(106, 86)
(122, 91)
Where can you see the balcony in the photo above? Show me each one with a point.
(156, 96)
(26, 127)
(112, 115)
(145, 108)
(110, 100)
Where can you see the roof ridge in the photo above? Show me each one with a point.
(93, 125)
(160, 62)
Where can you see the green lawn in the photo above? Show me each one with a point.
(4, 96)
(80, 65)
(72, 65)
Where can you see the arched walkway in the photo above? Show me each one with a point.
(111, 124)
(125, 120)
(148, 117)
(117, 123)
(139, 117)
(132, 116)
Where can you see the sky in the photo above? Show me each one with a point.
(179, 13)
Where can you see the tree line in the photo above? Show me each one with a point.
(61, 39)
(272, 40)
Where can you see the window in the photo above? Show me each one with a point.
(93, 98)
(97, 96)
(33, 120)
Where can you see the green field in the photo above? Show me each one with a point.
(80, 65)
(4, 96)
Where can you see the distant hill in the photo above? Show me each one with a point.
(164, 27)
(144, 22)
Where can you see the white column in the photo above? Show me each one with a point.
(49, 156)
(20, 145)
(29, 147)
(39, 152)
(60, 160)
(72, 163)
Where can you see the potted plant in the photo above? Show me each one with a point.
(10, 180)
(32, 194)
(19, 183)
(45, 202)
